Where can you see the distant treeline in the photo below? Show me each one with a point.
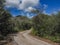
(22, 23)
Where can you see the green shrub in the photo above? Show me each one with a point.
(47, 26)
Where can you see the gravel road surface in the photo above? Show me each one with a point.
(23, 38)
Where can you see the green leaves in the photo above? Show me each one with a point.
(46, 25)
(23, 23)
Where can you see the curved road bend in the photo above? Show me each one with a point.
(23, 38)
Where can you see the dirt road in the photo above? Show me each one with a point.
(23, 38)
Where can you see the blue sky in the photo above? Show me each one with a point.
(24, 7)
(53, 5)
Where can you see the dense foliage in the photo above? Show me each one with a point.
(47, 26)
(22, 23)
(6, 23)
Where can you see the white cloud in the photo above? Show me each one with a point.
(28, 15)
(54, 12)
(23, 5)
(45, 6)
(12, 3)
(28, 3)
(29, 9)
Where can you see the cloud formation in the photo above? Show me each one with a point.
(30, 9)
(22, 4)
(28, 3)
(12, 3)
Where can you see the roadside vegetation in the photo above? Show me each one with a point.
(47, 26)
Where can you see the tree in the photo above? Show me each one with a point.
(39, 23)
(47, 26)
(5, 20)
(22, 22)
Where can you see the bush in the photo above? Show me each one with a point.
(47, 26)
